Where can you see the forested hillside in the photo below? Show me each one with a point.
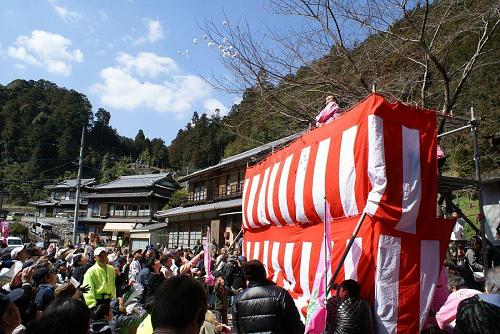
(440, 64)
(40, 131)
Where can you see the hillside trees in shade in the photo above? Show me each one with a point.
(200, 144)
(40, 131)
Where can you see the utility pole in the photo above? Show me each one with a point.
(78, 184)
(479, 188)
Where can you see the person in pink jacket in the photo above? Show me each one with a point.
(447, 314)
(329, 113)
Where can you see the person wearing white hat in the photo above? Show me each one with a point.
(100, 278)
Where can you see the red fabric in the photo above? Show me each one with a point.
(341, 229)
(395, 117)
(401, 207)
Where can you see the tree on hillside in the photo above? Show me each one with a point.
(422, 52)
(327, 47)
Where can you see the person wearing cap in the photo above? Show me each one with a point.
(46, 280)
(135, 265)
(61, 268)
(100, 279)
(19, 255)
(9, 313)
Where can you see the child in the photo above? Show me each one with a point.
(221, 305)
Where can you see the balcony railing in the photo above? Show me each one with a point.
(220, 192)
(231, 191)
(199, 196)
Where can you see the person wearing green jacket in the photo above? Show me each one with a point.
(100, 278)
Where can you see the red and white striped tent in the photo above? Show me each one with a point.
(378, 157)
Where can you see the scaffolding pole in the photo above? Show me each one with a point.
(473, 125)
(477, 167)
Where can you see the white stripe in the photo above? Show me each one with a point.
(251, 200)
(256, 250)
(429, 274)
(270, 194)
(243, 215)
(289, 284)
(352, 259)
(387, 284)
(305, 260)
(274, 260)
(318, 186)
(376, 163)
(266, 254)
(347, 172)
(282, 195)
(247, 252)
(411, 181)
(261, 205)
(299, 185)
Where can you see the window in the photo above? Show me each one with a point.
(228, 185)
(57, 195)
(172, 238)
(144, 210)
(94, 209)
(195, 235)
(183, 235)
(200, 192)
(72, 195)
(131, 210)
(119, 210)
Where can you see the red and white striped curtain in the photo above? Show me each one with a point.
(378, 157)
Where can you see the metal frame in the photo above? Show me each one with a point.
(473, 125)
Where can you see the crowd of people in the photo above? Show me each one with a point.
(94, 289)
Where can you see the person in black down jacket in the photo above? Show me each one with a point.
(264, 307)
(347, 313)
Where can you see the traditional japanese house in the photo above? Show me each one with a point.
(117, 207)
(214, 200)
(61, 201)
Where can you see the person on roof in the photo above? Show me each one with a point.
(329, 113)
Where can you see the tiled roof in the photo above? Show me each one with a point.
(119, 195)
(133, 181)
(245, 155)
(199, 208)
(150, 227)
(71, 183)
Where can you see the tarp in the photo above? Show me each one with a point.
(378, 157)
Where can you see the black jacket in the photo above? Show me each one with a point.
(266, 308)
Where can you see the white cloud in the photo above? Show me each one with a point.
(67, 15)
(20, 66)
(176, 94)
(47, 50)
(211, 104)
(146, 64)
(155, 32)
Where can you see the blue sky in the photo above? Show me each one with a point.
(124, 55)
